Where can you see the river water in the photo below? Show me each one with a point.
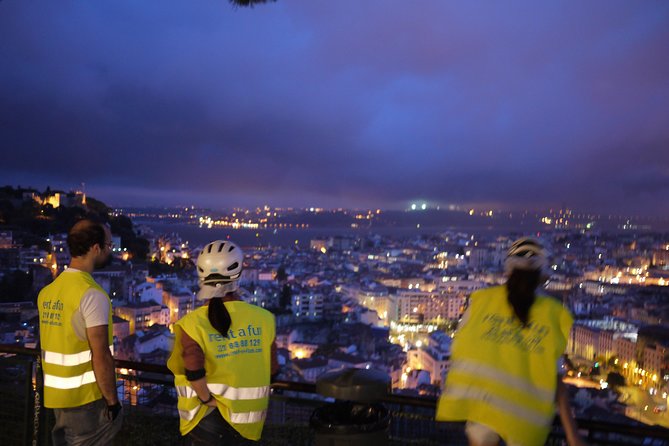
(197, 236)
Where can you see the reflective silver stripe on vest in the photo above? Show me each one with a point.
(190, 414)
(70, 359)
(235, 417)
(72, 382)
(483, 370)
(248, 417)
(228, 392)
(479, 395)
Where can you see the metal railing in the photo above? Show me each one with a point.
(149, 399)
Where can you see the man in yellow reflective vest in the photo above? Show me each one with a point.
(76, 342)
(503, 376)
(224, 356)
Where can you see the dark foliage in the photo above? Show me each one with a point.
(179, 266)
(16, 286)
(137, 246)
(31, 222)
(251, 3)
(615, 380)
(281, 275)
(285, 299)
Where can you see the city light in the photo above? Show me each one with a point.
(413, 285)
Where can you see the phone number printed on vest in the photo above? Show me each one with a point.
(240, 341)
(52, 313)
(506, 330)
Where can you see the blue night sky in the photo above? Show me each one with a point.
(340, 103)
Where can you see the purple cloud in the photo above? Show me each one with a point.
(340, 103)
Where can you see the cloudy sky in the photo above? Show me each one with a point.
(340, 103)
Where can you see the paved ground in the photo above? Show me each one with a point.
(640, 406)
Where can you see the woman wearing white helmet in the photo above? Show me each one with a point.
(224, 356)
(503, 378)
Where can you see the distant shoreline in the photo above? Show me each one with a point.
(197, 235)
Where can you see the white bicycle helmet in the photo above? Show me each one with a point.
(220, 263)
(525, 254)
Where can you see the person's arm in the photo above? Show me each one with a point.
(274, 370)
(103, 362)
(200, 387)
(193, 357)
(566, 418)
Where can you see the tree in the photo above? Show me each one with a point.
(615, 380)
(97, 207)
(6, 210)
(157, 268)
(250, 3)
(16, 286)
(612, 363)
(281, 275)
(326, 350)
(596, 369)
(137, 246)
(285, 299)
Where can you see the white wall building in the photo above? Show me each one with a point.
(308, 306)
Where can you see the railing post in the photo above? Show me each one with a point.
(414, 420)
(27, 391)
(41, 431)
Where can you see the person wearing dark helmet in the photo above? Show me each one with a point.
(223, 357)
(503, 378)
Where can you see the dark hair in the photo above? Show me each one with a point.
(84, 235)
(218, 315)
(521, 286)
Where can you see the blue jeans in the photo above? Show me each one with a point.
(87, 425)
(214, 430)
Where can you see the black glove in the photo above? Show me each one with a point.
(114, 410)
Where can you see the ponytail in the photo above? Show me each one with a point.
(521, 286)
(218, 316)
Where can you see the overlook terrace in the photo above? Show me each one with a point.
(380, 299)
(150, 415)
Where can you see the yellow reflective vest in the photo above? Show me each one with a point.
(69, 380)
(238, 368)
(503, 375)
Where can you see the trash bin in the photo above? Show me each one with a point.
(355, 418)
